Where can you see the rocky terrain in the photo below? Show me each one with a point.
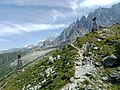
(100, 61)
(91, 62)
(71, 33)
(32, 56)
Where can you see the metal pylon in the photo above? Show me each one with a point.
(19, 63)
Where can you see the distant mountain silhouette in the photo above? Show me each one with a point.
(104, 16)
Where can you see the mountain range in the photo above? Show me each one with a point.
(78, 28)
(91, 62)
(105, 17)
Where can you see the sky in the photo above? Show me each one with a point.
(24, 22)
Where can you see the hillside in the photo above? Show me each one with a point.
(5, 64)
(98, 65)
(91, 62)
(8, 61)
(45, 74)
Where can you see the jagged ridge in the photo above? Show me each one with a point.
(105, 17)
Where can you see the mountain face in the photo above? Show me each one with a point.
(32, 46)
(71, 33)
(49, 42)
(105, 17)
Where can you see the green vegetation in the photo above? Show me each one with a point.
(6, 69)
(101, 43)
(35, 74)
(109, 44)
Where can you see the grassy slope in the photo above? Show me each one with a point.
(32, 74)
(5, 66)
(110, 44)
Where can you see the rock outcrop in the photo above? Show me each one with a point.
(70, 33)
(109, 61)
(115, 78)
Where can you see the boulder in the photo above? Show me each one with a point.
(51, 59)
(105, 78)
(114, 78)
(118, 69)
(99, 40)
(98, 64)
(95, 48)
(58, 57)
(72, 79)
(109, 61)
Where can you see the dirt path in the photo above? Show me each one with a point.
(80, 70)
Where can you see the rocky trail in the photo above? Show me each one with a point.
(80, 70)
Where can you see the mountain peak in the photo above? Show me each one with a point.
(105, 17)
(83, 17)
(49, 42)
(77, 22)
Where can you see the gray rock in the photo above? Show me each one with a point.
(109, 61)
(72, 79)
(114, 78)
(118, 69)
(49, 42)
(99, 40)
(89, 87)
(58, 57)
(70, 33)
(100, 82)
(98, 64)
(95, 48)
(105, 78)
(90, 53)
(51, 59)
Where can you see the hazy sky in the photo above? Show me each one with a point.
(24, 22)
